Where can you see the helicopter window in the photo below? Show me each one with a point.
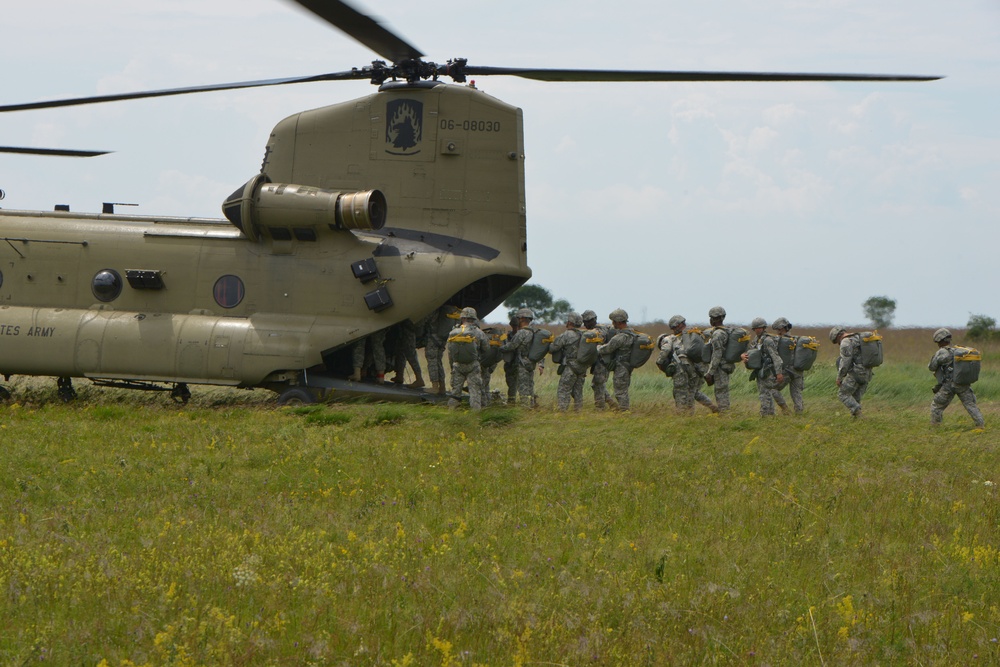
(107, 285)
(304, 233)
(280, 234)
(228, 291)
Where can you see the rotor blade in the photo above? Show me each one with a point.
(643, 75)
(63, 152)
(364, 29)
(96, 99)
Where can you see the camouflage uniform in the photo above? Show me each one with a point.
(434, 347)
(687, 377)
(851, 374)
(571, 375)
(794, 380)
(720, 370)
(376, 348)
(600, 367)
(767, 376)
(406, 352)
(520, 344)
(510, 367)
(617, 352)
(943, 366)
(469, 372)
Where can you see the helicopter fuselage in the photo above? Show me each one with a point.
(302, 268)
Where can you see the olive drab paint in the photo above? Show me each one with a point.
(365, 214)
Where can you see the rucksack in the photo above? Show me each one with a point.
(755, 359)
(871, 349)
(540, 342)
(586, 350)
(967, 363)
(806, 350)
(463, 345)
(642, 349)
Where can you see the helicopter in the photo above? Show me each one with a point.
(364, 215)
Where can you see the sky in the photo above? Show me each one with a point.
(771, 199)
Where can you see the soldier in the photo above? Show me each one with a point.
(406, 353)
(943, 366)
(687, 374)
(794, 380)
(852, 376)
(600, 367)
(466, 345)
(571, 375)
(719, 369)
(519, 344)
(489, 362)
(510, 367)
(434, 347)
(617, 352)
(375, 344)
(771, 373)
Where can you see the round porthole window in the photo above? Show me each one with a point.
(228, 291)
(107, 285)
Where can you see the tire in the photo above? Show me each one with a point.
(296, 396)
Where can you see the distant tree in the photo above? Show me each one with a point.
(880, 310)
(540, 301)
(981, 327)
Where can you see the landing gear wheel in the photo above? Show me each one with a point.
(296, 396)
(65, 390)
(180, 393)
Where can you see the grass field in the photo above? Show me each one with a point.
(228, 532)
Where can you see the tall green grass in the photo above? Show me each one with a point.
(137, 532)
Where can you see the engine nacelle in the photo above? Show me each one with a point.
(285, 211)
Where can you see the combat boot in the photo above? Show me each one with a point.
(419, 382)
(355, 376)
(380, 378)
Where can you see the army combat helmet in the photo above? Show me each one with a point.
(676, 321)
(781, 323)
(588, 315)
(575, 319)
(525, 313)
(618, 315)
(469, 313)
(758, 323)
(716, 311)
(941, 334)
(836, 331)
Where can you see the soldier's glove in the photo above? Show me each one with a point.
(709, 379)
(936, 388)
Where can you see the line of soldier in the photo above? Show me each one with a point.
(615, 350)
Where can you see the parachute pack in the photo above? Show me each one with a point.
(806, 351)
(586, 351)
(497, 338)
(540, 342)
(463, 345)
(642, 349)
(449, 318)
(755, 359)
(871, 349)
(693, 343)
(967, 363)
(559, 356)
(737, 342)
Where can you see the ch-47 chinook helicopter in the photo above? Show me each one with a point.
(363, 215)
